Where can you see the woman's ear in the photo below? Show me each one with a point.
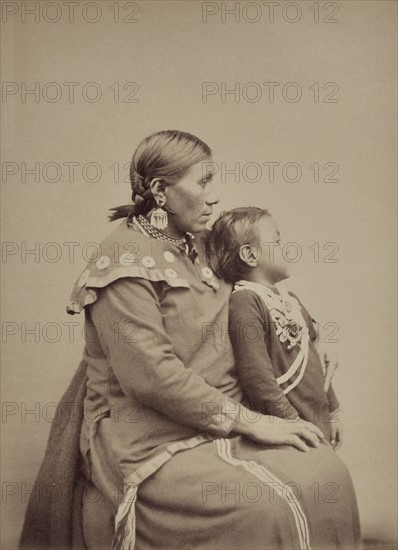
(248, 253)
(158, 189)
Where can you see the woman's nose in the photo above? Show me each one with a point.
(213, 197)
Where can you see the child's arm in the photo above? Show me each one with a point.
(336, 429)
(333, 401)
(336, 426)
(323, 355)
(246, 329)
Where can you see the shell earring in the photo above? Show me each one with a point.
(159, 218)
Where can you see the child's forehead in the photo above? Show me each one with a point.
(267, 224)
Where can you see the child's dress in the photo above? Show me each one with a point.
(279, 368)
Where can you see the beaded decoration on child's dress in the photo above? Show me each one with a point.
(289, 325)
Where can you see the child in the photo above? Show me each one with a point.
(271, 332)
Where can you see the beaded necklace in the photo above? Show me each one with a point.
(146, 227)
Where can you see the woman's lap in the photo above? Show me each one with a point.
(321, 485)
(232, 493)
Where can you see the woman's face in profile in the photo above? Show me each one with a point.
(192, 199)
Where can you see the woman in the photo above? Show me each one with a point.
(165, 439)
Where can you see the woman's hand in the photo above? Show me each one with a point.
(272, 430)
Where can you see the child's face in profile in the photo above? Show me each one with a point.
(271, 263)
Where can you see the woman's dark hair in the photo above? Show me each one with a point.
(230, 231)
(167, 155)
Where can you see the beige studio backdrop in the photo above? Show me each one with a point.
(307, 85)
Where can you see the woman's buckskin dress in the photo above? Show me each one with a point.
(162, 396)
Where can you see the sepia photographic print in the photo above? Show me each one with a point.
(199, 242)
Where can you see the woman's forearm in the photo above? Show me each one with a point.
(147, 368)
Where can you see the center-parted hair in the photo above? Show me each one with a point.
(166, 155)
(230, 231)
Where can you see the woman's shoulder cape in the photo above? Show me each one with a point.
(127, 252)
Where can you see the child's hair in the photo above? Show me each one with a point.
(230, 231)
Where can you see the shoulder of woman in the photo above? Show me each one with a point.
(127, 252)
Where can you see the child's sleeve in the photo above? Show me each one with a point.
(333, 401)
(247, 328)
(313, 333)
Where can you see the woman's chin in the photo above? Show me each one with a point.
(198, 226)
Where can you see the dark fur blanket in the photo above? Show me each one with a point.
(54, 518)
